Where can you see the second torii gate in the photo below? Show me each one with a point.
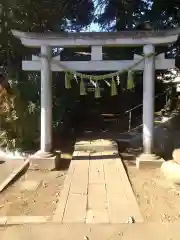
(96, 40)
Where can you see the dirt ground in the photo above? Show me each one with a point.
(35, 193)
(158, 200)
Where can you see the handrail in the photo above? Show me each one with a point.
(137, 106)
(130, 110)
(133, 129)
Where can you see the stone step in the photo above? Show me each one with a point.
(127, 137)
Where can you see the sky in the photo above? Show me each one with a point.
(93, 26)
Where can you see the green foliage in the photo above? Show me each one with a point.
(19, 117)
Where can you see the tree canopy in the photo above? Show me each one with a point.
(39, 16)
(126, 14)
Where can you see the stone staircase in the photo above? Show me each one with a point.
(133, 138)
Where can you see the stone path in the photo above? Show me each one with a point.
(97, 189)
(148, 231)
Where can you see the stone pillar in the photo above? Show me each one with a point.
(45, 158)
(147, 158)
(148, 99)
(46, 100)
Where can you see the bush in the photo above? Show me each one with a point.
(19, 118)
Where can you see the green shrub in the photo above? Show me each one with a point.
(18, 118)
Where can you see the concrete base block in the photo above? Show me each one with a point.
(171, 170)
(176, 155)
(148, 161)
(44, 161)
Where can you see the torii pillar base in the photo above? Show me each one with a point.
(148, 161)
(44, 161)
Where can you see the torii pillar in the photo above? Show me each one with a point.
(148, 158)
(45, 151)
(147, 39)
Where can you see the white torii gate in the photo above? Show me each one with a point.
(96, 40)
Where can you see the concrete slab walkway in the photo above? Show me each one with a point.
(138, 231)
(97, 189)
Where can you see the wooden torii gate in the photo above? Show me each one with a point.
(96, 40)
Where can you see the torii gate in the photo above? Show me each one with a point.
(96, 40)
